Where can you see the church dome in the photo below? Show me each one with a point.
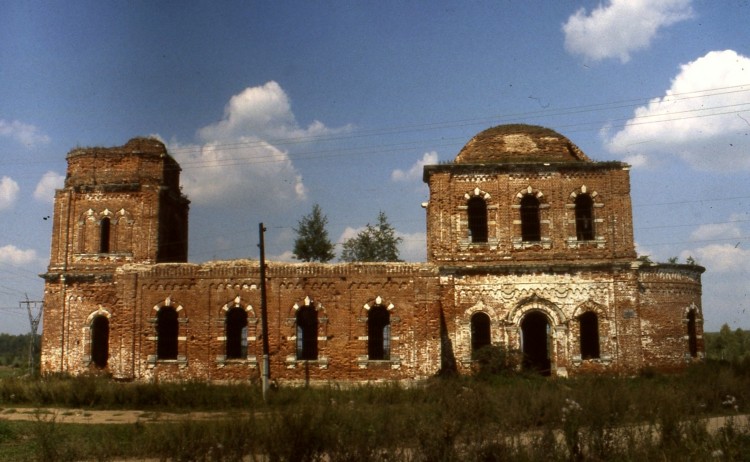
(518, 143)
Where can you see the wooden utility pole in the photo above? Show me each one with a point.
(264, 312)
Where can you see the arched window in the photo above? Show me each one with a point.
(530, 225)
(589, 327)
(477, 209)
(584, 218)
(104, 235)
(166, 331)
(100, 341)
(236, 333)
(378, 333)
(480, 331)
(692, 335)
(307, 333)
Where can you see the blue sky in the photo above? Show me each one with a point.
(271, 108)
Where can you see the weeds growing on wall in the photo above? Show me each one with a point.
(500, 417)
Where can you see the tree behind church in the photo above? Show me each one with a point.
(312, 243)
(374, 243)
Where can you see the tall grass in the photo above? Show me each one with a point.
(500, 417)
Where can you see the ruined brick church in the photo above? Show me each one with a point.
(529, 246)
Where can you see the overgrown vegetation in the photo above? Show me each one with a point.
(495, 415)
(728, 345)
(14, 350)
(500, 417)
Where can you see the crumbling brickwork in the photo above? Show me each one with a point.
(530, 247)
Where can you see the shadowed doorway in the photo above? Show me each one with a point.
(535, 342)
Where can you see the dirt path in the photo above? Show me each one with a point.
(89, 416)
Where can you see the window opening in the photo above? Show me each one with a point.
(589, 330)
(692, 335)
(166, 331)
(104, 235)
(480, 331)
(378, 333)
(477, 209)
(584, 218)
(535, 343)
(307, 333)
(236, 333)
(100, 341)
(530, 225)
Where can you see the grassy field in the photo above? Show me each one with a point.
(495, 417)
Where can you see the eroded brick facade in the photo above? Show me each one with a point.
(529, 244)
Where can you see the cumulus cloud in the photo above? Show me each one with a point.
(704, 117)
(15, 256)
(263, 112)
(637, 160)
(413, 246)
(713, 231)
(241, 156)
(415, 172)
(216, 172)
(8, 192)
(620, 27)
(721, 258)
(26, 134)
(45, 189)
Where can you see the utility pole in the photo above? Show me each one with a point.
(264, 312)
(35, 308)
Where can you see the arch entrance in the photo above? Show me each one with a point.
(535, 342)
(100, 341)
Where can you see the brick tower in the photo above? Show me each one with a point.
(118, 205)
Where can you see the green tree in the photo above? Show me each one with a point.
(374, 243)
(312, 243)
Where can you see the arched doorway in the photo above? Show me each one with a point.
(535, 342)
(100, 341)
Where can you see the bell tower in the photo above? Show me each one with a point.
(119, 205)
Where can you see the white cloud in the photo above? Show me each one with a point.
(253, 169)
(45, 189)
(413, 246)
(240, 155)
(415, 172)
(26, 134)
(721, 258)
(620, 27)
(716, 231)
(8, 192)
(637, 160)
(349, 233)
(15, 256)
(263, 112)
(704, 117)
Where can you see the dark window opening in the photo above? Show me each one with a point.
(584, 218)
(480, 332)
(104, 235)
(378, 333)
(166, 331)
(236, 332)
(307, 333)
(692, 335)
(477, 209)
(589, 325)
(100, 341)
(530, 225)
(535, 343)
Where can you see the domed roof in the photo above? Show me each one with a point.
(519, 143)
